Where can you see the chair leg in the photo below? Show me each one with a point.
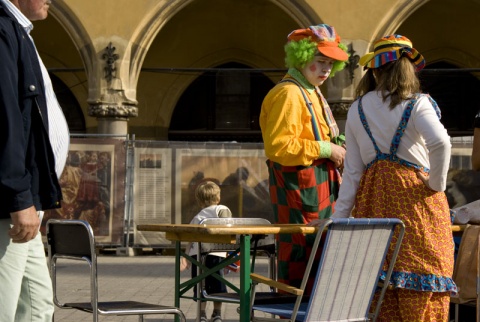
(272, 265)
(456, 312)
(179, 316)
(140, 318)
(477, 311)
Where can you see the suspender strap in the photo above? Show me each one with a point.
(316, 128)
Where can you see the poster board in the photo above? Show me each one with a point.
(93, 187)
(240, 172)
(152, 191)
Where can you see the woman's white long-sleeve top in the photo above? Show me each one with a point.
(425, 143)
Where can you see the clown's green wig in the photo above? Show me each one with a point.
(299, 53)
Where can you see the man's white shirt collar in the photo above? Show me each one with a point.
(22, 20)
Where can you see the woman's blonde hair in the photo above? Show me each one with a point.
(207, 194)
(396, 80)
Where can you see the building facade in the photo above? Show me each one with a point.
(198, 69)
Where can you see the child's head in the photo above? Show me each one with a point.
(207, 194)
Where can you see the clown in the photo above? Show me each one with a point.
(302, 142)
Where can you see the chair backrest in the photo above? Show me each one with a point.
(73, 240)
(352, 259)
(70, 238)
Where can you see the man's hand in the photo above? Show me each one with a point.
(25, 225)
(338, 155)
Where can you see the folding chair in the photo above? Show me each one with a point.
(348, 273)
(74, 240)
(466, 273)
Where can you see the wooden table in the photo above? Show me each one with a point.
(225, 235)
(457, 230)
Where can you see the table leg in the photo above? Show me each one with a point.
(177, 277)
(199, 284)
(245, 282)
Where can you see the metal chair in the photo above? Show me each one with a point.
(74, 240)
(347, 276)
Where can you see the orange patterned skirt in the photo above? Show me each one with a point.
(422, 274)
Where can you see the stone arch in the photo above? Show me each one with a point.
(394, 18)
(216, 59)
(454, 56)
(244, 46)
(300, 12)
(145, 34)
(79, 36)
(65, 64)
(233, 56)
(389, 21)
(150, 26)
(448, 53)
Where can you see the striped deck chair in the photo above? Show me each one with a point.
(347, 277)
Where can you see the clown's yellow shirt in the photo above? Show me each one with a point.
(286, 125)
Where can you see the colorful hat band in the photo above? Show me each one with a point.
(388, 51)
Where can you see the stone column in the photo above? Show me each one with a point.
(341, 88)
(113, 109)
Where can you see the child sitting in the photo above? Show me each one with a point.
(207, 195)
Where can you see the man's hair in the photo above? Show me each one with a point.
(396, 80)
(207, 194)
(299, 53)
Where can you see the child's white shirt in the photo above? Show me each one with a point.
(208, 212)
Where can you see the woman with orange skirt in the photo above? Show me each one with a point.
(396, 166)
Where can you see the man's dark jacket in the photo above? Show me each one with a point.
(27, 164)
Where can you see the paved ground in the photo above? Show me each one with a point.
(147, 279)
(140, 278)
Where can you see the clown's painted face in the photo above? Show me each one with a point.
(318, 70)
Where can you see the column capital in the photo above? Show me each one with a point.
(113, 103)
